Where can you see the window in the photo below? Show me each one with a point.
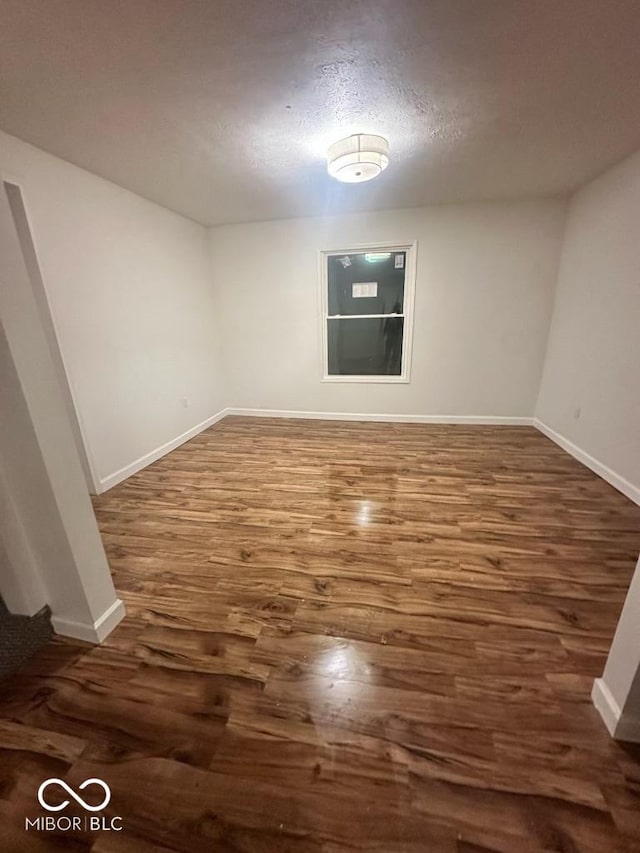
(367, 306)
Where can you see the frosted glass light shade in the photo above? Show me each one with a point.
(358, 158)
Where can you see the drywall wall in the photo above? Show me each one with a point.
(617, 694)
(51, 544)
(590, 391)
(128, 286)
(484, 292)
(25, 497)
(23, 230)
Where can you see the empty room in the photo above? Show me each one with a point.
(320, 426)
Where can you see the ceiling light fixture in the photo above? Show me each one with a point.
(358, 158)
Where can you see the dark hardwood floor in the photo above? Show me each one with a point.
(343, 637)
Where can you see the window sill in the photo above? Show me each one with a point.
(369, 380)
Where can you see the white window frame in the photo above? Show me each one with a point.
(411, 250)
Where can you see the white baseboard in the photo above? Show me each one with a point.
(620, 726)
(118, 476)
(614, 479)
(605, 705)
(403, 419)
(92, 632)
(123, 473)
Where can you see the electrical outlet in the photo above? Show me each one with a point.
(185, 402)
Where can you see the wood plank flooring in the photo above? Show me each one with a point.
(343, 637)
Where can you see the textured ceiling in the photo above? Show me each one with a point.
(223, 110)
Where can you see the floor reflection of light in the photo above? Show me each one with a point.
(364, 514)
(343, 662)
(344, 685)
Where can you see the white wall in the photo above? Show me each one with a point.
(617, 694)
(51, 547)
(128, 284)
(25, 498)
(593, 357)
(484, 292)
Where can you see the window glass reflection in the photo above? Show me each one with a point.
(383, 272)
(365, 346)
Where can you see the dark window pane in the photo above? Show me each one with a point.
(386, 273)
(365, 347)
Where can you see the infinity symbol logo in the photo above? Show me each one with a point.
(72, 793)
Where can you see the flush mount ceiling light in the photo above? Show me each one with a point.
(358, 158)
